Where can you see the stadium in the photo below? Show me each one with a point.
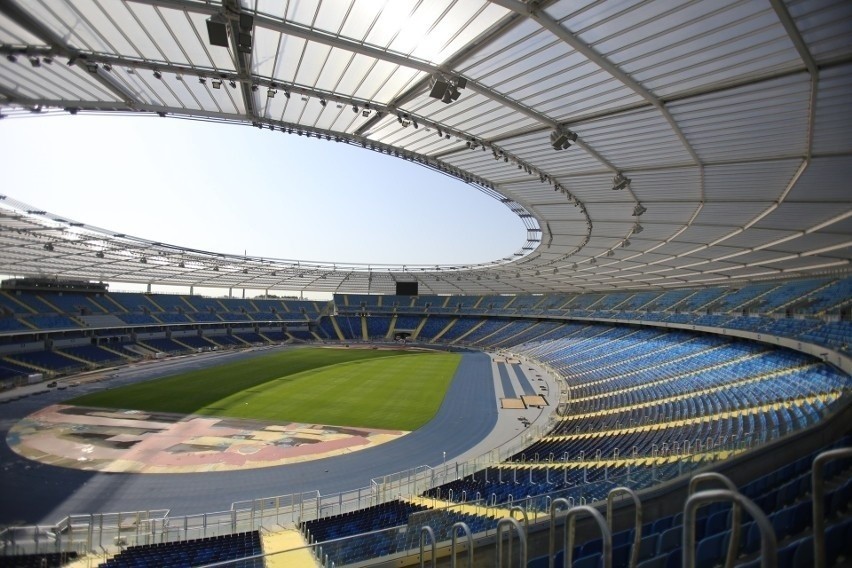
(658, 376)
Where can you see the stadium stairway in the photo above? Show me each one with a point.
(299, 555)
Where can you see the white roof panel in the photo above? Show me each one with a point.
(704, 105)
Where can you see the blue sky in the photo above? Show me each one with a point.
(230, 189)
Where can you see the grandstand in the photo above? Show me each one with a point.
(677, 315)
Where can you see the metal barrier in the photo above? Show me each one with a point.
(454, 532)
(570, 519)
(428, 531)
(637, 519)
(551, 549)
(736, 513)
(768, 543)
(522, 538)
(818, 496)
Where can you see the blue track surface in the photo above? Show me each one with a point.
(522, 378)
(505, 381)
(32, 492)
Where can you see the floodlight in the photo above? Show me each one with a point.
(610, 252)
(217, 84)
(217, 30)
(323, 102)
(48, 247)
(355, 109)
(99, 254)
(202, 80)
(233, 84)
(620, 182)
(271, 93)
(254, 88)
(637, 229)
(35, 61)
(106, 66)
(561, 139)
(12, 57)
(626, 243)
(47, 60)
(158, 75)
(439, 87)
(593, 260)
(638, 210)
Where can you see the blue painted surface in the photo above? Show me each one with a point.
(505, 381)
(522, 378)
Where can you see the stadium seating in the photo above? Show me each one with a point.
(199, 552)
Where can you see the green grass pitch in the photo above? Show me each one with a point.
(394, 390)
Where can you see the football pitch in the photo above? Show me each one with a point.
(383, 389)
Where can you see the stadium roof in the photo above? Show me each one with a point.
(725, 124)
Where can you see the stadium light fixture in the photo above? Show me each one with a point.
(12, 58)
(593, 260)
(445, 89)
(323, 102)
(270, 93)
(638, 210)
(626, 243)
(637, 228)
(202, 80)
(157, 75)
(35, 61)
(233, 84)
(561, 139)
(620, 182)
(610, 252)
(217, 30)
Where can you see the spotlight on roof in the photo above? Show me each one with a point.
(626, 243)
(610, 252)
(323, 102)
(12, 57)
(35, 61)
(202, 80)
(47, 60)
(355, 109)
(217, 84)
(593, 260)
(99, 254)
(619, 181)
(271, 93)
(158, 75)
(233, 84)
(638, 210)
(217, 30)
(446, 90)
(561, 139)
(637, 229)
(48, 247)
